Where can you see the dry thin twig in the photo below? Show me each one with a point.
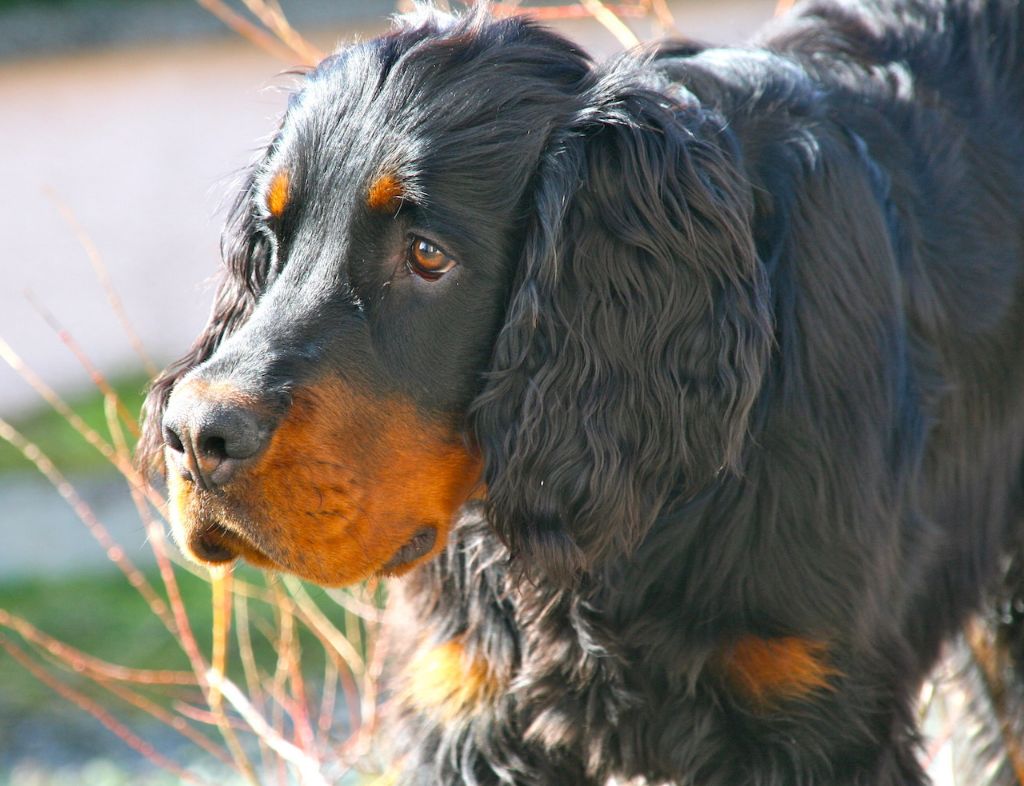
(176, 722)
(103, 716)
(613, 23)
(664, 16)
(89, 434)
(103, 275)
(270, 14)
(188, 644)
(221, 613)
(97, 377)
(83, 663)
(306, 54)
(318, 622)
(308, 767)
(608, 12)
(113, 551)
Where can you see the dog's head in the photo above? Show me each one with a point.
(471, 263)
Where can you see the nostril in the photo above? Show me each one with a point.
(231, 433)
(172, 440)
(212, 438)
(214, 447)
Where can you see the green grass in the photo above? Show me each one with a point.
(102, 615)
(60, 441)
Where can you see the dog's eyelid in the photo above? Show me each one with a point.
(417, 235)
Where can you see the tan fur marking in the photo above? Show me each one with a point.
(277, 193)
(766, 671)
(180, 502)
(447, 681)
(347, 480)
(385, 193)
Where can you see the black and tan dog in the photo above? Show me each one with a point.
(716, 356)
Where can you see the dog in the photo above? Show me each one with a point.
(685, 390)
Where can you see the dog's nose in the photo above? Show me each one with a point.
(210, 437)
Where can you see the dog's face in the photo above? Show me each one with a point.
(420, 307)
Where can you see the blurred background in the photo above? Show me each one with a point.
(124, 126)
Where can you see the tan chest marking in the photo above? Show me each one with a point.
(445, 680)
(766, 671)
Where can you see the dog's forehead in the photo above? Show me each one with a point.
(345, 133)
(418, 106)
(443, 128)
(336, 127)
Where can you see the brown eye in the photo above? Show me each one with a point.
(427, 260)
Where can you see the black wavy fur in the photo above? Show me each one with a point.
(740, 337)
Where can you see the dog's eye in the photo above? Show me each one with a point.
(427, 260)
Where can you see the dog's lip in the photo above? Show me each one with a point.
(210, 547)
(420, 543)
(216, 544)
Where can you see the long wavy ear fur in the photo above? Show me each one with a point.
(636, 337)
(247, 257)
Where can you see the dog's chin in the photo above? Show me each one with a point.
(220, 545)
(215, 545)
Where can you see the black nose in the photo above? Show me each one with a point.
(211, 434)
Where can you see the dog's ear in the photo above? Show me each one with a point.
(248, 255)
(636, 336)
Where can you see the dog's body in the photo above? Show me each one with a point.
(738, 354)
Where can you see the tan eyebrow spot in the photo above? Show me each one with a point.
(277, 193)
(385, 193)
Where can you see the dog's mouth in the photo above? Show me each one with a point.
(418, 545)
(298, 508)
(215, 545)
(210, 546)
